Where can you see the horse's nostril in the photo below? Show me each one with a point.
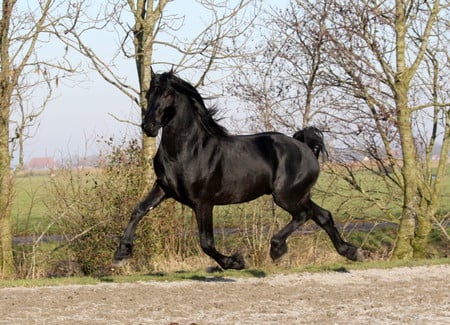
(147, 125)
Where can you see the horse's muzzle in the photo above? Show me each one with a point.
(151, 129)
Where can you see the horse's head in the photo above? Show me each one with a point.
(160, 104)
(168, 94)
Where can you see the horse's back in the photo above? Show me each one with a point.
(289, 161)
(281, 150)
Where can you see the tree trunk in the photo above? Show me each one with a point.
(20, 141)
(424, 227)
(148, 152)
(148, 144)
(6, 252)
(430, 205)
(405, 238)
(146, 18)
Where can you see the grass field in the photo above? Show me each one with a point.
(32, 213)
(167, 239)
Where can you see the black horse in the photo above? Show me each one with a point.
(200, 165)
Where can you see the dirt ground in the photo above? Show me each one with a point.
(419, 295)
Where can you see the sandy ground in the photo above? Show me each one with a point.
(419, 295)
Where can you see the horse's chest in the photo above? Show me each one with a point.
(177, 178)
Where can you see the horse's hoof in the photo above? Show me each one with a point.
(359, 255)
(352, 253)
(233, 262)
(277, 250)
(214, 269)
(123, 252)
(117, 264)
(237, 262)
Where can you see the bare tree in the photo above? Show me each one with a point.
(142, 26)
(26, 111)
(22, 31)
(380, 58)
(376, 74)
(281, 77)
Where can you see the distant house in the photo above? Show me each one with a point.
(41, 163)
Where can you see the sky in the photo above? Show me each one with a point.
(79, 116)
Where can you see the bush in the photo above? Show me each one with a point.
(91, 207)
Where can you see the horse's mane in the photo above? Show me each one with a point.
(206, 114)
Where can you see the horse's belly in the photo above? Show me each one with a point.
(239, 192)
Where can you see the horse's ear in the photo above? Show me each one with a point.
(171, 70)
(152, 73)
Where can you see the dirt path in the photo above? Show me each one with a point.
(419, 295)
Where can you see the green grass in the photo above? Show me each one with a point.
(445, 201)
(202, 275)
(31, 214)
(373, 202)
(29, 209)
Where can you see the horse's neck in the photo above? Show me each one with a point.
(183, 133)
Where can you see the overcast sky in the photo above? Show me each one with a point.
(80, 113)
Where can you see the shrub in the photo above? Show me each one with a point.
(92, 206)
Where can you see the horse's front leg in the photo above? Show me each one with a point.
(206, 232)
(125, 249)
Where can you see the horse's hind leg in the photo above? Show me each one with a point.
(206, 232)
(324, 219)
(125, 249)
(278, 246)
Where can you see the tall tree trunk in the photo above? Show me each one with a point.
(148, 144)
(431, 204)
(431, 189)
(146, 18)
(405, 237)
(415, 225)
(6, 252)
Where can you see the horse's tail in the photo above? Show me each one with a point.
(313, 137)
